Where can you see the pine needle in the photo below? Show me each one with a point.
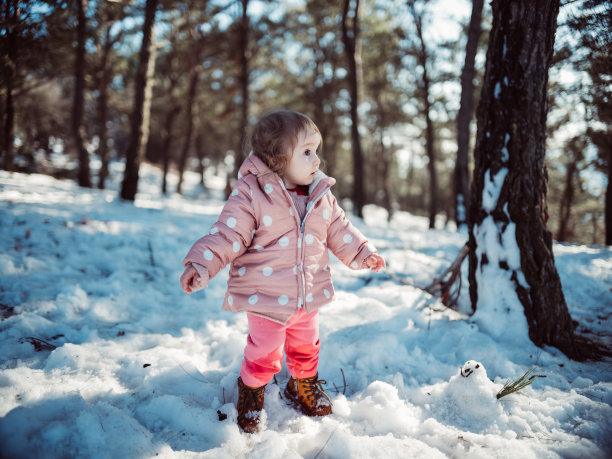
(520, 383)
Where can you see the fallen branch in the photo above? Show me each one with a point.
(443, 285)
(38, 343)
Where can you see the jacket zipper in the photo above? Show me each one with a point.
(302, 226)
(301, 242)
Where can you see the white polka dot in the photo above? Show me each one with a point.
(283, 299)
(326, 214)
(236, 246)
(295, 270)
(235, 193)
(231, 222)
(214, 230)
(253, 299)
(300, 243)
(309, 239)
(241, 271)
(347, 238)
(354, 265)
(267, 220)
(309, 206)
(208, 255)
(300, 302)
(326, 293)
(309, 298)
(230, 300)
(283, 241)
(258, 248)
(291, 211)
(316, 268)
(268, 188)
(267, 271)
(252, 233)
(251, 191)
(239, 175)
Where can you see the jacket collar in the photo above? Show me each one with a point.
(254, 165)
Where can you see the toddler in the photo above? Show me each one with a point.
(275, 230)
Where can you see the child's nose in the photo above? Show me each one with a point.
(316, 161)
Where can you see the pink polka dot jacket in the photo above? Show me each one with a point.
(278, 263)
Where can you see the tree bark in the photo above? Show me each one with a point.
(243, 78)
(78, 128)
(102, 109)
(11, 18)
(431, 154)
(352, 49)
(422, 59)
(464, 117)
(142, 106)
(565, 205)
(574, 149)
(169, 134)
(608, 215)
(508, 211)
(193, 85)
(199, 148)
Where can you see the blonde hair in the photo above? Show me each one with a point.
(275, 135)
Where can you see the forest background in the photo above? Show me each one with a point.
(388, 83)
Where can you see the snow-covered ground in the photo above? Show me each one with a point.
(103, 355)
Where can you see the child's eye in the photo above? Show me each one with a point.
(307, 153)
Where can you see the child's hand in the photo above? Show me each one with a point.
(191, 280)
(375, 262)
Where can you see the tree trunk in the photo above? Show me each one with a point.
(511, 257)
(431, 154)
(78, 128)
(608, 215)
(142, 106)
(168, 137)
(464, 117)
(565, 205)
(201, 155)
(243, 77)
(193, 85)
(422, 59)
(574, 150)
(385, 166)
(11, 18)
(352, 49)
(103, 82)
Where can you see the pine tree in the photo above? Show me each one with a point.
(464, 117)
(142, 103)
(508, 210)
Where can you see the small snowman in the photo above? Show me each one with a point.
(469, 399)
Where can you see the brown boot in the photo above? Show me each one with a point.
(308, 394)
(250, 404)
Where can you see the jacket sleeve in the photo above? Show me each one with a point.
(229, 237)
(345, 241)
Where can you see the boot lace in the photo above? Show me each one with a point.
(313, 389)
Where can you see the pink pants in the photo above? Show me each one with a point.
(263, 354)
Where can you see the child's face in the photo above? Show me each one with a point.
(304, 162)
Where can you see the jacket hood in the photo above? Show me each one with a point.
(255, 166)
